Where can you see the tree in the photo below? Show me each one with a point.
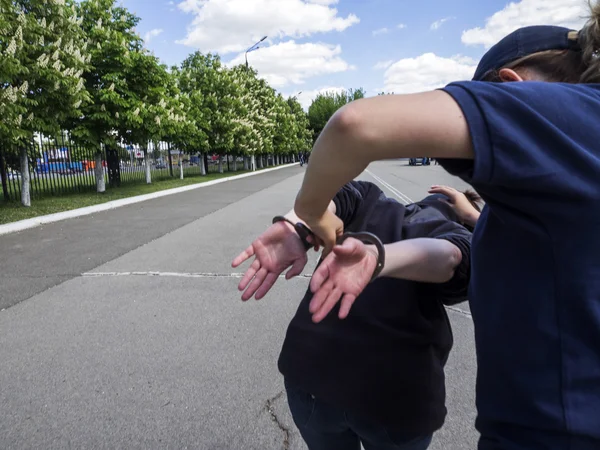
(111, 42)
(43, 55)
(200, 80)
(302, 139)
(326, 104)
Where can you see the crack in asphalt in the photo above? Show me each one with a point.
(269, 407)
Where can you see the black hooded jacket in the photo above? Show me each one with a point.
(386, 360)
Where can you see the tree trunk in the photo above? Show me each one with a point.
(235, 163)
(147, 163)
(170, 160)
(293, 158)
(253, 163)
(205, 162)
(3, 176)
(180, 166)
(202, 166)
(99, 172)
(25, 197)
(246, 162)
(220, 164)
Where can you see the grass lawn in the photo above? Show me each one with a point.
(13, 211)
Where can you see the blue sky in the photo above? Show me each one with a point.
(314, 45)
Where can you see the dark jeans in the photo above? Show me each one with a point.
(326, 427)
(512, 437)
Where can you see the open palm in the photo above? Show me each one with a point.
(342, 275)
(277, 249)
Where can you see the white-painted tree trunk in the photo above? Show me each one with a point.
(253, 163)
(235, 163)
(220, 164)
(246, 162)
(293, 158)
(25, 195)
(202, 166)
(180, 166)
(99, 173)
(147, 163)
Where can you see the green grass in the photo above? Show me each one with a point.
(13, 211)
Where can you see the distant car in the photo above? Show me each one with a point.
(416, 161)
(161, 166)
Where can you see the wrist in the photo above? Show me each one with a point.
(471, 219)
(372, 249)
(305, 208)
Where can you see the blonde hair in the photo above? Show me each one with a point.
(566, 66)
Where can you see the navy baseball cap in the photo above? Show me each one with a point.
(524, 42)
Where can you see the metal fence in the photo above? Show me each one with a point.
(60, 167)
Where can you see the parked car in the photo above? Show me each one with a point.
(416, 161)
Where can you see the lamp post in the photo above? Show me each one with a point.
(251, 49)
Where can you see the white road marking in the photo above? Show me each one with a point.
(172, 274)
(209, 275)
(403, 197)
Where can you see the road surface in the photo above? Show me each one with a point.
(124, 330)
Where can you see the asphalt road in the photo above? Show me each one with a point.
(124, 330)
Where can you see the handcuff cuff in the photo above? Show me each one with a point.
(304, 233)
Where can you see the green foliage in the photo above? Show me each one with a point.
(326, 104)
(42, 58)
(80, 66)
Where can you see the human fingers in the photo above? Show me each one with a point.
(249, 274)
(334, 296)
(296, 269)
(348, 248)
(320, 275)
(445, 190)
(346, 305)
(266, 285)
(255, 284)
(245, 255)
(320, 296)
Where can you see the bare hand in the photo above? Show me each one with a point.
(342, 275)
(326, 228)
(459, 202)
(278, 248)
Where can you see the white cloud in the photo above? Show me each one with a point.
(438, 23)
(427, 72)
(401, 26)
(383, 64)
(227, 26)
(306, 97)
(291, 63)
(568, 13)
(152, 34)
(380, 31)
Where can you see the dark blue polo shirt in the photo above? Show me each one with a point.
(535, 281)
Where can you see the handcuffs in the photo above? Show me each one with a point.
(304, 233)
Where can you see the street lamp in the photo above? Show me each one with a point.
(251, 49)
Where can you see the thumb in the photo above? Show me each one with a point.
(296, 269)
(348, 248)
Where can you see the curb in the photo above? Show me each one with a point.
(21, 225)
